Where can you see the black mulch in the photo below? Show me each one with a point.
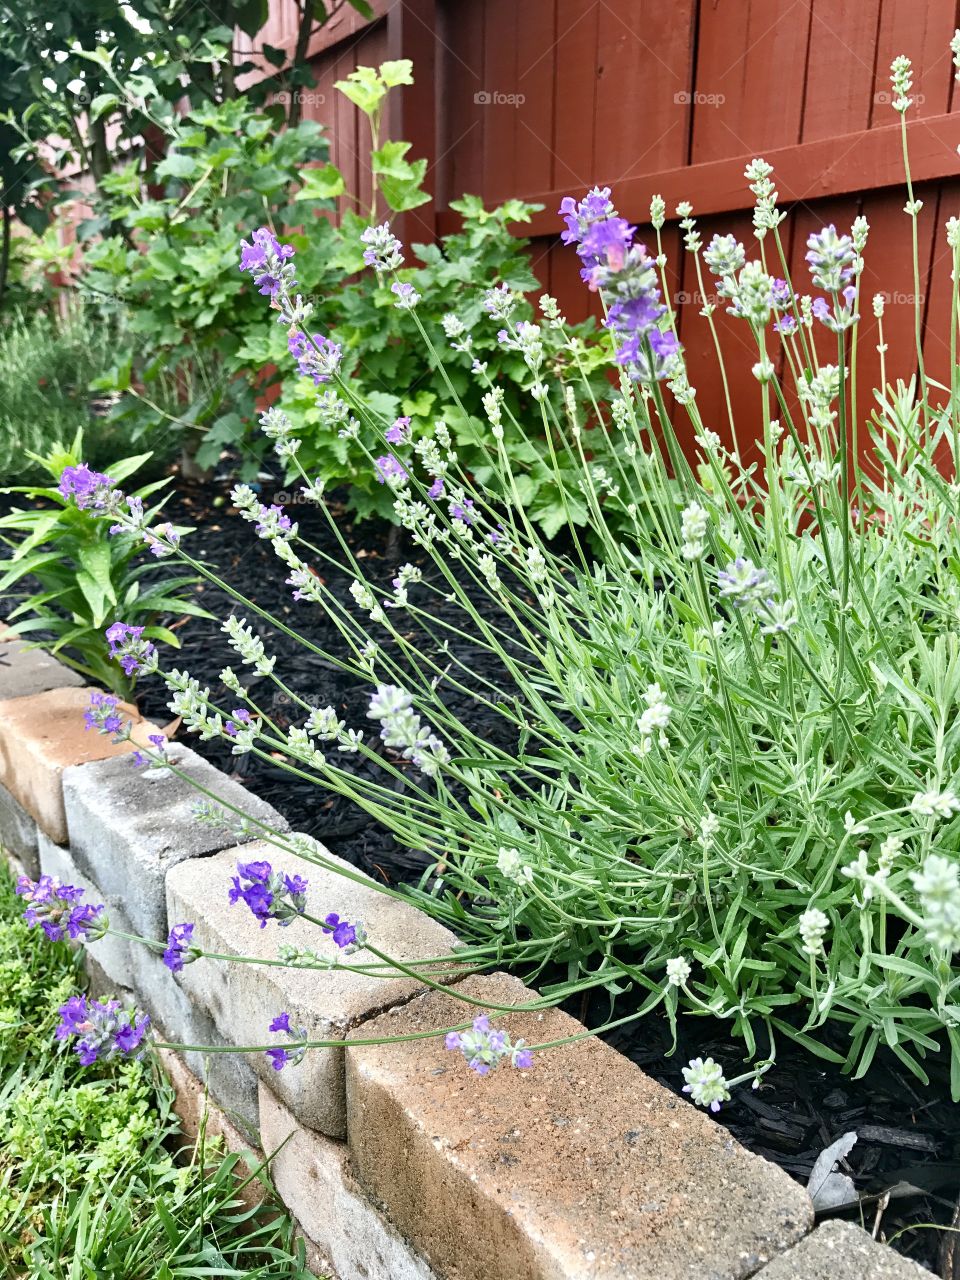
(909, 1135)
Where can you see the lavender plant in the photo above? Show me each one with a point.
(731, 783)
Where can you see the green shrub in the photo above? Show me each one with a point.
(47, 366)
(85, 576)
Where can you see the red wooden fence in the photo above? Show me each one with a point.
(549, 97)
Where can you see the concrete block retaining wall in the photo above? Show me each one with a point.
(397, 1162)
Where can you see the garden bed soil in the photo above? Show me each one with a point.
(907, 1157)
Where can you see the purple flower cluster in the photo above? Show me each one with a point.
(101, 713)
(240, 717)
(343, 933)
(317, 358)
(398, 432)
(103, 1030)
(281, 1056)
(272, 522)
(57, 909)
(270, 895)
(831, 259)
(743, 583)
(381, 248)
(163, 539)
(462, 511)
(627, 275)
(390, 470)
(841, 316)
(485, 1048)
(129, 648)
(267, 261)
(179, 950)
(87, 488)
(593, 225)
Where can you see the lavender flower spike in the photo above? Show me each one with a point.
(57, 909)
(267, 261)
(282, 1056)
(103, 1030)
(87, 488)
(270, 895)
(129, 648)
(485, 1048)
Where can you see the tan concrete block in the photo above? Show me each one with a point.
(42, 735)
(25, 671)
(842, 1251)
(313, 1178)
(243, 998)
(581, 1166)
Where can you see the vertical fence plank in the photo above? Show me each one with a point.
(748, 94)
(413, 108)
(461, 119)
(839, 88)
(922, 32)
(501, 122)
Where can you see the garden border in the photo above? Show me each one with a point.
(395, 1160)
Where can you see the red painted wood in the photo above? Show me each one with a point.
(936, 339)
(502, 122)
(574, 99)
(410, 33)
(748, 90)
(922, 32)
(460, 60)
(810, 171)
(839, 86)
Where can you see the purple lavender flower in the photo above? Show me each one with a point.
(382, 249)
(87, 488)
(270, 895)
(343, 933)
(317, 358)
(166, 532)
(436, 489)
(743, 583)
(272, 522)
(280, 1057)
(840, 317)
(398, 432)
(266, 258)
(239, 716)
(57, 909)
(407, 296)
(130, 649)
(627, 275)
(831, 259)
(179, 950)
(103, 1030)
(390, 470)
(601, 235)
(462, 511)
(101, 713)
(484, 1048)
(157, 740)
